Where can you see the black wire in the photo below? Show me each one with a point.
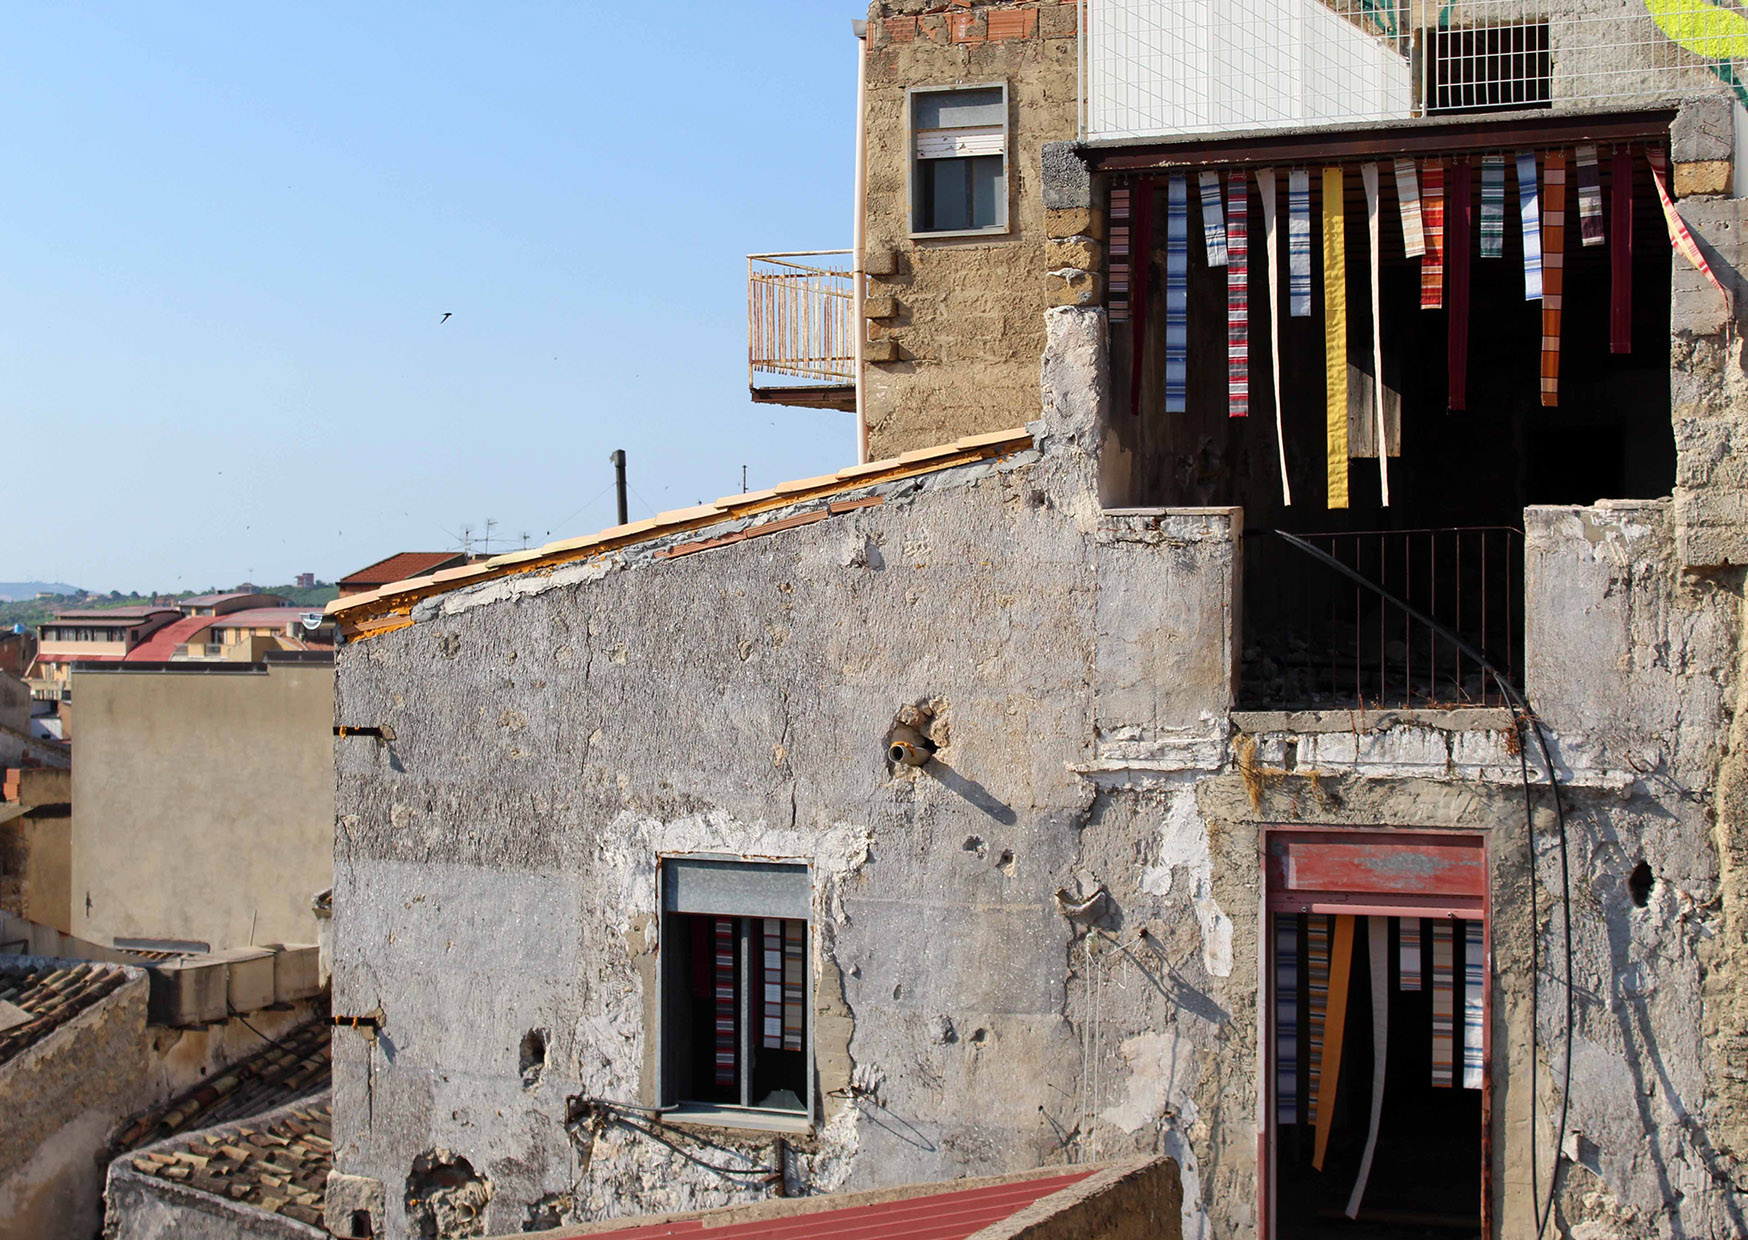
(1521, 709)
(610, 1111)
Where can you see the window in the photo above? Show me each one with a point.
(959, 178)
(737, 993)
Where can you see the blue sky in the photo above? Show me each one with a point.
(228, 232)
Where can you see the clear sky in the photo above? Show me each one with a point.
(228, 233)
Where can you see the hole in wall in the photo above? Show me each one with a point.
(446, 1197)
(1005, 863)
(533, 1057)
(1639, 883)
(975, 844)
(361, 1228)
(979, 1037)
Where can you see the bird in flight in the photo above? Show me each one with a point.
(445, 317)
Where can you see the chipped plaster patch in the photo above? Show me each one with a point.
(1183, 842)
(1162, 1083)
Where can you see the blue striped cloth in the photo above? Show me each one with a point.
(1299, 243)
(1530, 206)
(1213, 219)
(1177, 293)
(1287, 1018)
(1474, 980)
(1492, 206)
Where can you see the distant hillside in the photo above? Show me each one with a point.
(19, 591)
(313, 598)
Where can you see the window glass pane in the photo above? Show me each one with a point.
(948, 108)
(946, 194)
(988, 188)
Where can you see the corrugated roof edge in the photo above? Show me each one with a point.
(390, 607)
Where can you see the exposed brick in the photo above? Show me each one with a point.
(900, 29)
(880, 351)
(967, 27)
(883, 307)
(933, 27)
(1012, 24)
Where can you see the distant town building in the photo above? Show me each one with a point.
(306, 581)
(91, 635)
(399, 567)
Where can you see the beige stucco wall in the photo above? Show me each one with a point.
(203, 803)
(967, 321)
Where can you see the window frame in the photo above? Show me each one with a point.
(913, 180)
(725, 1115)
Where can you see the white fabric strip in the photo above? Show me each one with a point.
(1408, 195)
(1378, 945)
(1265, 188)
(1369, 174)
(1213, 219)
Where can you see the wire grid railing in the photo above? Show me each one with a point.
(1159, 68)
(1314, 639)
(801, 322)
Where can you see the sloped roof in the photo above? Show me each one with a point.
(396, 567)
(161, 645)
(50, 993)
(390, 607)
(259, 618)
(280, 1166)
(111, 615)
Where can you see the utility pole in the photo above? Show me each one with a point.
(743, 479)
(618, 459)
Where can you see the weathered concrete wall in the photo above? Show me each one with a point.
(203, 804)
(955, 348)
(36, 848)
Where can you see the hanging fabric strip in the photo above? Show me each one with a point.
(1238, 298)
(794, 982)
(1265, 188)
(1529, 207)
(1408, 954)
(1553, 271)
(1408, 198)
(1287, 1017)
(1457, 269)
(1492, 206)
(1473, 980)
(1117, 285)
(1335, 1025)
(1378, 945)
(1317, 1000)
(1442, 1001)
(771, 1015)
(1369, 175)
(1679, 236)
(1620, 310)
(1589, 196)
(1141, 271)
(1213, 223)
(1177, 293)
(1299, 243)
(1335, 334)
(725, 1040)
(1432, 266)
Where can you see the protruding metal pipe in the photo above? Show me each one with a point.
(618, 459)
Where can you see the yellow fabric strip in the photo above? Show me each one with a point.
(1335, 1019)
(1335, 347)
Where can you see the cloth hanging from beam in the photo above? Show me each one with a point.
(1213, 222)
(1589, 196)
(1334, 1028)
(1378, 948)
(1335, 335)
(1265, 188)
(1117, 286)
(1177, 293)
(1432, 264)
(1408, 954)
(1679, 237)
(1369, 177)
(1318, 927)
(1287, 1017)
(1457, 272)
(1443, 1000)
(1620, 309)
(1141, 270)
(1237, 298)
(794, 983)
(771, 989)
(1408, 200)
(1529, 208)
(1474, 979)
(1492, 206)
(1553, 271)
(1299, 243)
(725, 1002)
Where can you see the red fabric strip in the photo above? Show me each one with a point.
(1140, 267)
(1457, 243)
(1620, 310)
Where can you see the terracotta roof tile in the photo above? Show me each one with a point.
(51, 993)
(281, 1168)
(398, 567)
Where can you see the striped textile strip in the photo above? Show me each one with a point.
(1457, 271)
(1473, 980)
(1213, 221)
(725, 1042)
(1334, 1029)
(1529, 207)
(1140, 281)
(1317, 1000)
(1238, 297)
(1432, 265)
(1177, 293)
(1287, 1017)
(1589, 196)
(1335, 335)
(1679, 236)
(1117, 279)
(1442, 1013)
(1369, 176)
(1492, 206)
(771, 986)
(1299, 243)
(1553, 271)
(1265, 189)
(1408, 954)
(794, 983)
(1620, 308)
(1408, 198)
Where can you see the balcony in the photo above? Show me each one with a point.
(801, 326)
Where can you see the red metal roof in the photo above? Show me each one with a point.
(161, 645)
(110, 615)
(930, 1215)
(399, 567)
(259, 617)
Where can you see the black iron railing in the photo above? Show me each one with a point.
(1314, 639)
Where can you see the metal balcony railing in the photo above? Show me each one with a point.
(801, 322)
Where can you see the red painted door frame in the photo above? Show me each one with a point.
(1369, 871)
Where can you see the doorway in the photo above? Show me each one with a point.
(1376, 1030)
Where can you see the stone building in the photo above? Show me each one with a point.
(1340, 799)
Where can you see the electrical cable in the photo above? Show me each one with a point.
(610, 1111)
(1523, 714)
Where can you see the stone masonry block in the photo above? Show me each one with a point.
(1703, 131)
(1075, 222)
(1073, 287)
(353, 1206)
(1711, 176)
(883, 307)
(1081, 252)
(933, 27)
(880, 351)
(1067, 179)
(879, 260)
(1058, 21)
